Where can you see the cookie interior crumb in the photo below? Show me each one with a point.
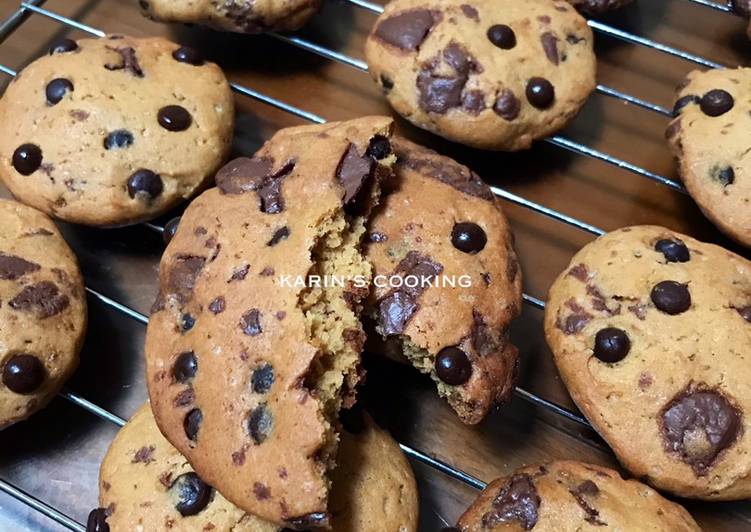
(422, 360)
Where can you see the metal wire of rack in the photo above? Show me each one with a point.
(18, 17)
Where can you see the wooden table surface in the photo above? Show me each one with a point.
(55, 455)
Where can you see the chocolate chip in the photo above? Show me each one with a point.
(185, 367)
(217, 305)
(193, 494)
(192, 423)
(745, 313)
(453, 366)
(716, 102)
(611, 345)
(187, 322)
(12, 267)
(673, 249)
(97, 521)
(260, 423)
(174, 118)
(63, 46)
(725, 175)
(23, 373)
(250, 323)
(145, 184)
(683, 102)
(170, 228)
(379, 147)
(406, 30)
(540, 93)
(120, 138)
(468, 237)
(279, 235)
(507, 105)
(671, 297)
(262, 378)
(188, 55)
(57, 89)
(27, 159)
(502, 36)
(550, 45)
(698, 424)
(517, 501)
(43, 298)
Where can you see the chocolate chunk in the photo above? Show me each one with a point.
(502, 36)
(507, 105)
(470, 12)
(540, 93)
(170, 228)
(406, 30)
(353, 173)
(745, 313)
(453, 366)
(279, 235)
(193, 494)
(671, 297)
(120, 138)
(683, 102)
(398, 306)
(27, 159)
(43, 298)
(579, 272)
(97, 520)
(13, 267)
(57, 89)
(238, 274)
(473, 101)
(188, 55)
(23, 373)
(174, 118)
(725, 175)
(185, 397)
(439, 92)
(576, 321)
(379, 147)
(262, 378)
(63, 46)
(144, 184)
(698, 424)
(261, 491)
(187, 322)
(217, 305)
(673, 249)
(185, 367)
(550, 45)
(260, 423)
(181, 277)
(128, 61)
(243, 175)
(144, 455)
(517, 501)
(468, 237)
(580, 493)
(303, 522)
(716, 102)
(192, 423)
(250, 323)
(611, 345)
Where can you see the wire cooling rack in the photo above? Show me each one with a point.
(35, 8)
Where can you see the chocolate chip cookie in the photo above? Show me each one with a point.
(711, 105)
(43, 311)
(569, 496)
(254, 342)
(647, 327)
(243, 16)
(597, 7)
(115, 130)
(447, 281)
(493, 74)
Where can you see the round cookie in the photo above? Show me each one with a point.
(114, 131)
(567, 496)
(245, 16)
(441, 224)
(43, 311)
(493, 74)
(648, 328)
(711, 105)
(248, 359)
(598, 7)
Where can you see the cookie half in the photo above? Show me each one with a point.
(43, 311)
(647, 328)
(708, 138)
(567, 496)
(243, 16)
(254, 342)
(447, 281)
(114, 131)
(493, 74)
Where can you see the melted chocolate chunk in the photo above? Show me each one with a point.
(63, 46)
(673, 249)
(439, 92)
(550, 45)
(473, 101)
(120, 138)
(185, 367)
(576, 321)
(23, 373)
(217, 305)
(452, 366)
(181, 278)
(716, 102)
(188, 55)
(193, 494)
(43, 298)
(174, 118)
(250, 322)
(97, 520)
(262, 378)
(27, 159)
(517, 501)
(355, 173)
(406, 30)
(243, 175)
(192, 423)
(128, 61)
(507, 105)
(611, 345)
(671, 297)
(57, 89)
(260, 423)
(698, 424)
(484, 339)
(13, 267)
(580, 493)
(145, 184)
